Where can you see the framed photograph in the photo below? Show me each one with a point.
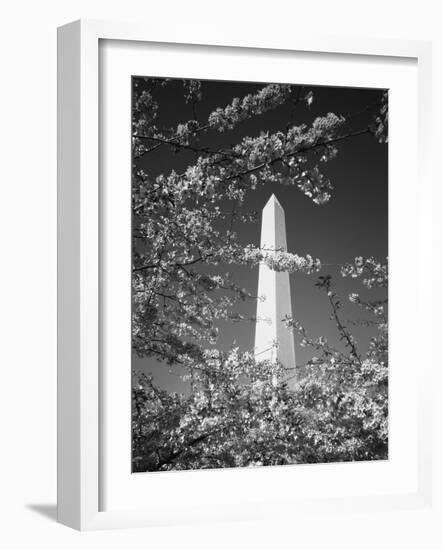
(241, 229)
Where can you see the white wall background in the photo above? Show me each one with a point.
(28, 268)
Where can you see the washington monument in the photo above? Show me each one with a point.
(274, 287)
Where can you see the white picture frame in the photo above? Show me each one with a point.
(79, 253)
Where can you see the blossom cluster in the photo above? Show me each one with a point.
(267, 98)
(381, 120)
(280, 260)
(375, 273)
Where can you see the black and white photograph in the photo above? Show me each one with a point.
(222, 268)
(259, 274)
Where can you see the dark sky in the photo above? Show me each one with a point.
(353, 223)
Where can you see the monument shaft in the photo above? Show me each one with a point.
(275, 288)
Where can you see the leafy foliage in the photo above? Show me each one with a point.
(240, 411)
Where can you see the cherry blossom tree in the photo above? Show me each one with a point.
(184, 242)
